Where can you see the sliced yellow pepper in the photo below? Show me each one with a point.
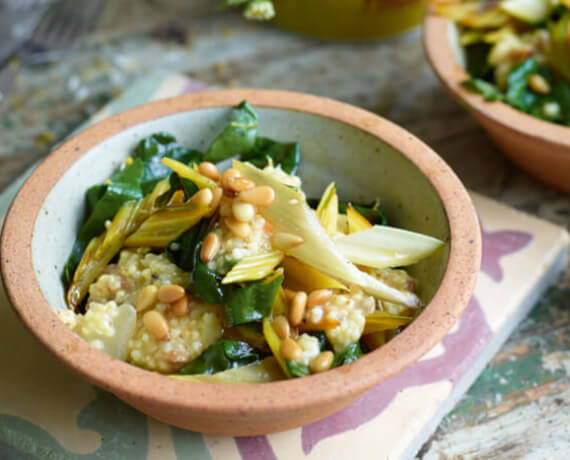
(252, 268)
(274, 343)
(383, 321)
(302, 277)
(327, 210)
(356, 221)
(189, 173)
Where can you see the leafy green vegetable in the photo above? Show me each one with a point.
(252, 301)
(266, 151)
(350, 353)
(476, 57)
(207, 283)
(221, 356)
(177, 183)
(518, 93)
(132, 182)
(182, 251)
(296, 369)
(489, 91)
(323, 341)
(237, 138)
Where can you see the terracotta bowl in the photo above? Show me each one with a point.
(366, 155)
(539, 147)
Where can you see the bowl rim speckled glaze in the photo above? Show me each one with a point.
(436, 34)
(348, 382)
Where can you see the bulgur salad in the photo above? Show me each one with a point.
(235, 276)
(517, 51)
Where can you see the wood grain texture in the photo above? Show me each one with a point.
(525, 417)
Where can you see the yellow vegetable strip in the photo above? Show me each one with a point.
(100, 251)
(274, 343)
(253, 268)
(302, 277)
(327, 210)
(268, 370)
(383, 321)
(189, 173)
(356, 221)
(280, 305)
(167, 224)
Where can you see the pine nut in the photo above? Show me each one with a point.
(289, 294)
(322, 362)
(216, 198)
(538, 84)
(290, 350)
(170, 293)
(281, 327)
(156, 325)
(318, 297)
(202, 197)
(227, 177)
(244, 212)
(286, 241)
(146, 298)
(239, 184)
(259, 196)
(209, 170)
(297, 308)
(225, 206)
(239, 229)
(210, 247)
(181, 306)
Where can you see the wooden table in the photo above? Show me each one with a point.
(520, 405)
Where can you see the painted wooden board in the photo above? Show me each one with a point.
(48, 412)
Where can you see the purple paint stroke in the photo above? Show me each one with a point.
(255, 448)
(194, 86)
(461, 350)
(498, 244)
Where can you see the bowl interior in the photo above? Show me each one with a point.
(363, 167)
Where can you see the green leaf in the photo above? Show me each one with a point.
(323, 341)
(221, 356)
(252, 301)
(177, 183)
(518, 93)
(296, 369)
(207, 284)
(489, 91)
(182, 251)
(237, 138)
(350, 353)
(476, 57)
(266, 151)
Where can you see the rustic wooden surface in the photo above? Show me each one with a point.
(520, 405)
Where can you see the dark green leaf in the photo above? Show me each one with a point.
(207, 284)
(351, 353)
(477, 62)
(252, 301)
(264, 151)
(181, 251)
(296, 369)
(237, 138)
(221, 356)
(177, 183)
(323, 341)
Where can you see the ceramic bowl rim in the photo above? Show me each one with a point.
(452, 74)
(347, 381)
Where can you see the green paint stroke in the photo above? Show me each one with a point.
(123, 430)
(189, 445)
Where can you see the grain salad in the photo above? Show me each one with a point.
(192, 270)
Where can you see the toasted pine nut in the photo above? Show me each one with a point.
(281, 327)
(227, 176)
(289, 294)
(156, 325)
(285, 241)
(244, 212)
(170, 293)
(209, 170)
(225, 206)
(177, 197)
(290, 350)
(297, 308)
(319, 297)
(239, 184)
(259, 196)
(203, 197)
(216, 198)
(210, 247)
(539, 84)
(321, 362)
(181, 306)
(239, 229)
(146, 298)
